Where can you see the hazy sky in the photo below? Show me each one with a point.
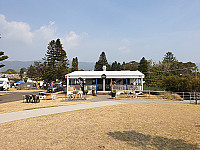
(125, 29)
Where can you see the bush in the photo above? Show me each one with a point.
(180, 84)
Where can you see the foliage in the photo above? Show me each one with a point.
(180, 84)
(2, 57)
(175, 83)
(55, 64)
(171, 74)
(132, 66)
(151, 81)
(75, 64)
(21, 73)
(14, 79)
(115, 66)
(169, 58)
(195, 85)
(114, 91)
(36, 71)
(143, 66)
(86, 91)
(10, 71)
(101, 62)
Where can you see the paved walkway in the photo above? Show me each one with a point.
(98, 101)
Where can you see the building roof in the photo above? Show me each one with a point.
(109, 74)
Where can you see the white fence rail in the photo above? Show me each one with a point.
(114, 87)
(187, 95)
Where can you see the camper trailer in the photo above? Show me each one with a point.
(4, 84)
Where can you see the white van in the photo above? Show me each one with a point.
(4, 84)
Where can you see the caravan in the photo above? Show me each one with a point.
(4, 84)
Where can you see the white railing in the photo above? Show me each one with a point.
(128, 87)
(114, 87)
(86, 87)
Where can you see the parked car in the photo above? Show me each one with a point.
(4, 84)
(55, 88)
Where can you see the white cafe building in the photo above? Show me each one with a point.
(105, 81)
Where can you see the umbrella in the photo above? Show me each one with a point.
(20, 81)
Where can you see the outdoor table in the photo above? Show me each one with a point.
(31, 98)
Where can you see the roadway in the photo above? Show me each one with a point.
(13, 96)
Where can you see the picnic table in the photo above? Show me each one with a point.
(36, 98)
(31, 98)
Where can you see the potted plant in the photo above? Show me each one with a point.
(93, 93)
(86, 91)
(113, 93)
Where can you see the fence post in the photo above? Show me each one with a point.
(65, 95)
(149, 94)
(164, 94)
(172, 95)
(183, 96)
(196, 98)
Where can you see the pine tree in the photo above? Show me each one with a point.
(56, 61)
(75, 64)
(101, 62)
(31, 72)
(143, 66)
(169, 58)
(116, 66)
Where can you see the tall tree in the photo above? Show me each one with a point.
(37, 71)
(21, 73)
(56, 61)
(115, 66)
(101, 62)
(2, 57)
(75, 64)
(169, 58)
(132, 66)
(31, 72)
(143, 66)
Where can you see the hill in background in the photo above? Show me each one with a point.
(17, 65)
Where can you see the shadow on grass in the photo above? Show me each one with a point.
(151, 142)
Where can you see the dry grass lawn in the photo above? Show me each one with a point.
(144, 97)
(20, 105)
(128, 126)
(152, 97)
